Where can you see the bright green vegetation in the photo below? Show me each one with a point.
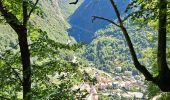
(109, 49)
(51, 49)
(58, 63)
(52, 19)
(49, 70)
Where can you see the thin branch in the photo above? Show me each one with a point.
(98, 17)
(16, 45)
(117, 12)
(33, 8)
(13, 69)
(75, 2)
(16, 73)
(129, 15)
(25, 12)
(10, 18)
(137, 64)
(4, 98)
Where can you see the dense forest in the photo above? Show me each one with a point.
(84, 50)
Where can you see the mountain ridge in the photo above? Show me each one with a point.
(82, 27)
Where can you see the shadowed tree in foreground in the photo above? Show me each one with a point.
(20, 27)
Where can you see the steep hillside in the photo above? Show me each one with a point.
(67, 9)
(53, 22)
(82, 27)
(109, 48)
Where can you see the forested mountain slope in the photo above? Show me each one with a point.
(57, 63)
(46, 36)
(109, 49)
(52, 19)
(82, 27)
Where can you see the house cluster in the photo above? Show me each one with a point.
(126, 84)
(121, 79)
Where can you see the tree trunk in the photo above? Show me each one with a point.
(161, 55)
(164, 72)
(163, 79)
(136, 63)
(21, 30)
(25, 56)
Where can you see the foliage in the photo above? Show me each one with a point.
(45, 60)
(51, 50)
(165, 96)
(147, 12)
(105, 98)
(152, 90)
(108, 48)
(49, 19)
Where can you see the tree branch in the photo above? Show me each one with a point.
(98, 17)
(117, 12)
(129, 15)
(75, 2)
(25, 12)
(137, 64)
(15, 72)
(4, 98)
(10, 18)
(33, 8)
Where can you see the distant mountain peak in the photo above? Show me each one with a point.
(82, 27)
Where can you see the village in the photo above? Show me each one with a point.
(119, 85)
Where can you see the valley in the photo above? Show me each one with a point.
(74, 57)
